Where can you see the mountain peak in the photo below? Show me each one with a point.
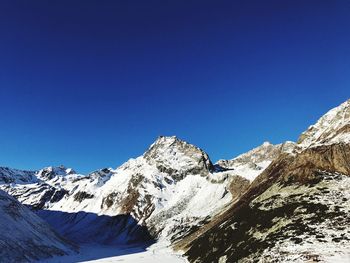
(167, 139)
(163, 142)
(333, 127)
(175, 156)
(266, 143)
(53, 171)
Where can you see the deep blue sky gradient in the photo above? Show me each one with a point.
(90, 84)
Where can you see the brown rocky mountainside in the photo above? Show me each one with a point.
(297, 210)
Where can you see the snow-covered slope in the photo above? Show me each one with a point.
(252, 163)
(333, 127)
(50, 173)
(38, 189)
(14, 176)
(24, 236)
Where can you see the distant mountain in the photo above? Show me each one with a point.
(14, 176)
(249, 165)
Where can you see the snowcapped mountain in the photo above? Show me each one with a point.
(37, 189)
(171, 189)
(178, 158)
(297, 210)
(289, 197)
(24, 236)
(50, 173)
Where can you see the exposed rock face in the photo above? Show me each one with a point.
(330, 158)
(80, 196)
(24, 236)
(238, 185)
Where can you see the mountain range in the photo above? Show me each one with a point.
(288, 202)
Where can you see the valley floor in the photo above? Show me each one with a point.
(125, 254)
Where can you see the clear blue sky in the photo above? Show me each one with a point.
(90, 84)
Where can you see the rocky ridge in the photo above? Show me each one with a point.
(250, 164)
(333, 127)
